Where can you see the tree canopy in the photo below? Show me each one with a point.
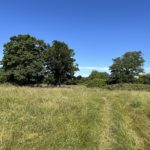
(127, 68)
(96, 74)
(23, 59)
(60, 62)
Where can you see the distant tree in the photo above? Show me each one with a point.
(96, 74)
(23, 61)
(97, 79)
(60, 62)
(79, 77)
(127, 68)
(144, 79)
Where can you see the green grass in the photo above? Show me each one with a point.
(75, 118)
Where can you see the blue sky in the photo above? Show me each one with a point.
(98, 30)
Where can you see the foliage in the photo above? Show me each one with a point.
(128, 86)
(96, 82)
(95, 79)
(127, 68)
(100, 75)
(120, 86)
(48, 78)
(23, 59)
(70, 82)
(145, 79)
(28, 60)
(81, 80)
(60, 62)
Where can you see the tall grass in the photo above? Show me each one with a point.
(75, 118)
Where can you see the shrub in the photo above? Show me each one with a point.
(129, 87)
(82, 81)
(98, 75)
(71, 82)
(145, 79)
(96, 83)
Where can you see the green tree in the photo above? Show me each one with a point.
(60, 62)
(96, 74)
(97, 79)
(23, 61)
(145, 79)
(127, 68)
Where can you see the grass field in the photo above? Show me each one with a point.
(75, 118)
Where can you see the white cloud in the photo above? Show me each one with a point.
(103, 68)
(94, 68)
(86, 70)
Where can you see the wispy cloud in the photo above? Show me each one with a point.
(94, 68)
(103, 68)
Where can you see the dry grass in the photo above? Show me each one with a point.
(74, 118)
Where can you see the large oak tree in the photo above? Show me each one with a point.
(23, 61)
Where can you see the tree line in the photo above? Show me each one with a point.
(28, 60)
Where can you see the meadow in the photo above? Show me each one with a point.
(73, 118)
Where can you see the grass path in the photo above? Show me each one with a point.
(116, 132)
(125, 137)
(105, 130)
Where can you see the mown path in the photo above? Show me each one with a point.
(105, 131)
(119, 130)
(115, 132)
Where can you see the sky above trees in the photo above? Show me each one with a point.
(98, 30)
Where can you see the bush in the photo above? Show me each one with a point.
(98, 75)
(96, 83)
(129, 87)
(70, 82)
(144, 79)
(82, 81)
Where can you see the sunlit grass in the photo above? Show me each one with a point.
(73, 118)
